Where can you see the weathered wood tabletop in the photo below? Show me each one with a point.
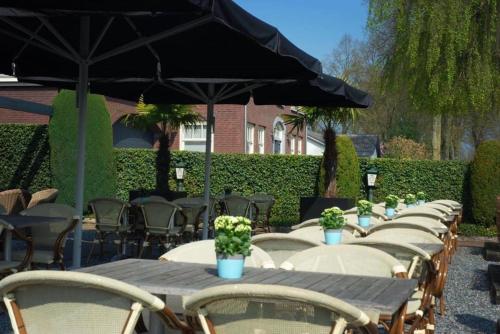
(371, 294)
(19, 221)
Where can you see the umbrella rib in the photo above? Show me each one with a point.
(242, 90)
(42, 42)
(221, 91)
(59, 37)
(138, 33)
(26, 44)
(100, 37)
(199, 90)
(54, 50)
(156, 37)
(183, 90)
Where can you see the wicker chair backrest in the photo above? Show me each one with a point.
(14, 200)
(236, 205)
(317, 234)
(159, 217)
(109, 214)
(281, 246)
(43, 196)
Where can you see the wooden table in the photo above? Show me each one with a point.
(18, 222)
(374, 295)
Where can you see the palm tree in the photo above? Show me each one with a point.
(169, 118)
(327, 119)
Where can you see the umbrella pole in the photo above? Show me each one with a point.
(82, 113)
(208, 159)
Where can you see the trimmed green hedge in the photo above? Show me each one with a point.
(24, 157)
(100, 180)
(24, 162)
(286, 177)
(438, 179)
(485, 182)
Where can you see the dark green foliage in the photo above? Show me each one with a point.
(100, 179)
(24, 157)
(348, 177)
(285, 177)
(473, 230)
(485, 182)
(438, 179)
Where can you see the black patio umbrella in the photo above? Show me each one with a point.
(59, 42)
(325, 91)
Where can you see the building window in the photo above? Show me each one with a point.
(261, 139)
(194, 137)
(292, 145)
(299, 146)
(250, 138)
(278, 138)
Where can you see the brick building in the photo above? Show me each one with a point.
(238, 129)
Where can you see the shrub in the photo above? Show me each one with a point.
(403, 148)
(391, 201)
(485, 182)
(24, 157)
(364, 208)
(100, 179)
(348, 175)
(410, 199)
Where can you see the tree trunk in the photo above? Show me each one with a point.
(436, 137)
(163, 164)
(330, 162)
(446, 131)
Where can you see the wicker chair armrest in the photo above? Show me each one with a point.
(172, 321)
(59, 244)
(29, 248)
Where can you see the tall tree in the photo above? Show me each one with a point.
(168, 117)
(442, 53)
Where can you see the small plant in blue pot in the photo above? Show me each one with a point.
(332, 221)
(391, 203)
(232, 244)
(421, 198)
(410, 200)
(364, 212)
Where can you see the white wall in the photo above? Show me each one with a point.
(314, 148)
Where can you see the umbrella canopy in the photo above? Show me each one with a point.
(324, 91)
(175, 38)
(62, 42)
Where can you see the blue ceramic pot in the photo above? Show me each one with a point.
(230, 267)
(389, 212)
(410, 205)
(333, 237)
(364, 221)
(421, 202)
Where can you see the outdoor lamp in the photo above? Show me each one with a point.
(371, 178)
(179, 173)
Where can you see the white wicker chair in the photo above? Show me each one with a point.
(204, 252)
(440, 207)
(258, 308)
(452, 204)
(420, 211)
(346, 259)
(403, 225)
(280, 246)
(41, 302)
(354, 229)
(49, 239)
(316, 234)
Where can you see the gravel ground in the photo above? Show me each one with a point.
(469, 308)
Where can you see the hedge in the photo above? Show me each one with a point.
(485, 182)
(24, 157)
(286, 177)
(100, 180)
(24, 163)
(438, 179)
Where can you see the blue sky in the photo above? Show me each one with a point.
(316, 26)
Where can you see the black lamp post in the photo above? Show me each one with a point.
(180, 169)
(371, 178)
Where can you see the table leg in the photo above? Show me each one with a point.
(155, 325)
(7, 246)
(398, 320)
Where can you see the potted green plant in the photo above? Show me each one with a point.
(364, 212)
(332, 221)
(232, 244)
(421, 198)
(391, 203)
(410, 200)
